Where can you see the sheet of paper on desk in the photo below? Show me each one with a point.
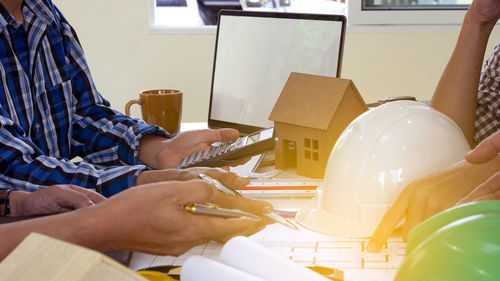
(243, 259)
(307, 248)
(248, 167)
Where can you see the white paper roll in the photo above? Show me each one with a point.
(198, 268)
(251, 257)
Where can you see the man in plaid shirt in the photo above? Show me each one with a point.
(476, 111)
(51, 111)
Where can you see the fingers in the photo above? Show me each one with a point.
(242, 203)
(225, 135)
(194, 191)
(488, 190)
(486, 150)
(224, 229)
(209, 136)
(67, 197)
(229, 179)
(92, 195)
(389, 222)
(414, 214)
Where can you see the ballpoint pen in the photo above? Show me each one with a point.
(272, 215)
(214, 210)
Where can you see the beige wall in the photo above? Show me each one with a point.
(125, 57)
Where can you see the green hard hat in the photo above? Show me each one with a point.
(462, 243)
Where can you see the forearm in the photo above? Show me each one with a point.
(84, 227)
(43, 171)
(456, 93)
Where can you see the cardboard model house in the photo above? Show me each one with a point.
(309, 116)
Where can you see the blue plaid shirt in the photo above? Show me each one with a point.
(51, 111)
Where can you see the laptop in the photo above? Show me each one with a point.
(255, 53)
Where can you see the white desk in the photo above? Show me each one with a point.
(304, 247)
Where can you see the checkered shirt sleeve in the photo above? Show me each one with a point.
(488, 100)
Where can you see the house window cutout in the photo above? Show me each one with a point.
(315, 144)
(311, 149)
(307, 143)
(307, 154)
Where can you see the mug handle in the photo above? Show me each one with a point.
(129, 104)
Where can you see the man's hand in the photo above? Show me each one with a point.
(160, 153)
(428, 196)
(486, 151)
(151, 218)
(229, 179)
(51, 200)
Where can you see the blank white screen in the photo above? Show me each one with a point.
(255, 56)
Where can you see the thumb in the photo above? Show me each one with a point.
(225, 135)
(486, 150)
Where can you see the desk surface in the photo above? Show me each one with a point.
(305, 247)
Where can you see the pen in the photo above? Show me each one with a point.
(214, 210)
(219, 185)
(272, 215)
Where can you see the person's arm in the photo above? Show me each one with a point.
(25, 165)
(147, 218)
(456, 93)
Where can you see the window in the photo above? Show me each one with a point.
(311, 149)
(416, 4)
(406, 11)
(203, 13)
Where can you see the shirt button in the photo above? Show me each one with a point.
(37, 127)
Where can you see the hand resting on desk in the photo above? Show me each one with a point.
(51, 200)
(148, 218)
(151, 219)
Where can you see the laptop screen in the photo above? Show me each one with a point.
(256, 52)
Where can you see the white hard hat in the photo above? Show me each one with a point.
(376, 156)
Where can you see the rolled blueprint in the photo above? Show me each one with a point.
(251, 257)
(198, 268)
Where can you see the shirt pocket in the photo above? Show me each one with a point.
(56, 114)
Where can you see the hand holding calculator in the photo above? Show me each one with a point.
(232, 152)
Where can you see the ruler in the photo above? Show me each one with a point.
(277, 188)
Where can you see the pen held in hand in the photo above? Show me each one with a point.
(213, 210)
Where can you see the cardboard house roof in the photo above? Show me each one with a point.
(310, 100)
